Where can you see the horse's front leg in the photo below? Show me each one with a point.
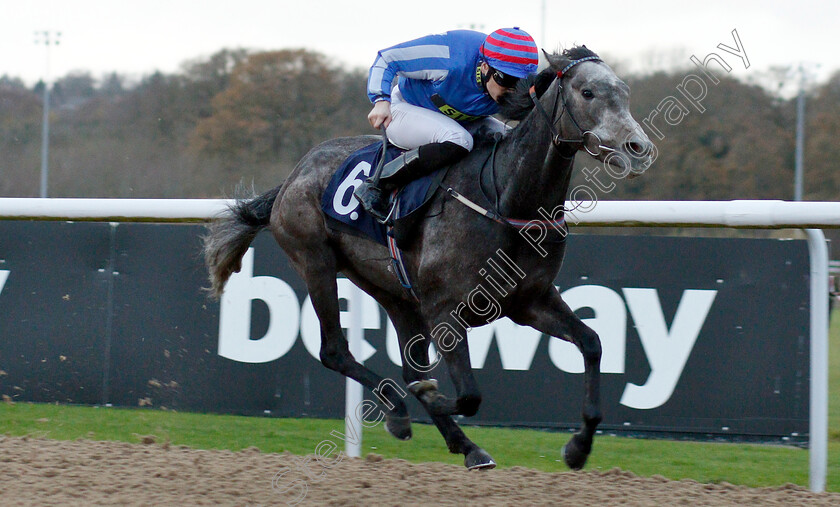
(451, 343)
(551, 315)
(414, 338)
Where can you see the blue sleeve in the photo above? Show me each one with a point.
(426, 58)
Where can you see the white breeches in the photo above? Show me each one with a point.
(412, 126)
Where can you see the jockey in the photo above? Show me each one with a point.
(449, 85)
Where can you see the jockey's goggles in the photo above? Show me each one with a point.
(504, 80)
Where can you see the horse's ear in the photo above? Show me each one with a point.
(556, 61)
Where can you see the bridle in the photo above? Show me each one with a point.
(556, 138)
(558, 141)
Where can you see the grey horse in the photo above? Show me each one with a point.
(502, 205)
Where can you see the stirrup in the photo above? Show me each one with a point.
(389, 218)
(370, 197)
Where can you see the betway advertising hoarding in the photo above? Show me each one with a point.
(700, 336)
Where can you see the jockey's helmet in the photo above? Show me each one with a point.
(511, 51)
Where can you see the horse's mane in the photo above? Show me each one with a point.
(517, 104)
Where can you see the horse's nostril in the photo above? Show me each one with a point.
(637, 150)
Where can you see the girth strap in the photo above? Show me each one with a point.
(396, 257)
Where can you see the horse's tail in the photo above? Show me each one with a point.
(229, 236)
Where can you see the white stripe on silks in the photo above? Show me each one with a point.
(415, 53)
(430, 74)
(375, 79)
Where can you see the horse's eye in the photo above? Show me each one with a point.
(587, 94)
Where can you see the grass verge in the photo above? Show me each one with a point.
(751, 465)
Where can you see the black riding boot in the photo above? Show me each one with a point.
(407, 167)
(370, 193)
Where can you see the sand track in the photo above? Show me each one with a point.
(49, 472)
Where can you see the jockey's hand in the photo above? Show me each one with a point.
(380, 114)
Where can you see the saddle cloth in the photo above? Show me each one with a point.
(344, 213)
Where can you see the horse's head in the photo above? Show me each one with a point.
(594, 109)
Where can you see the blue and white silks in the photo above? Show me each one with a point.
(443, 65)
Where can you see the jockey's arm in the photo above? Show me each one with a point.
(426, 58)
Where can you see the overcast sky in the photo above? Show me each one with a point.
(136, 38)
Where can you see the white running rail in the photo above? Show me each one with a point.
(811, 216)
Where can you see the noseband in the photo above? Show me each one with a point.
(556, 138)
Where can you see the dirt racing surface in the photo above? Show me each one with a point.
(50, 472)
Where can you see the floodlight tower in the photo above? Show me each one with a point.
(47, 38)
(806, 74)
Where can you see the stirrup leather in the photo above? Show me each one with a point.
(393, 167)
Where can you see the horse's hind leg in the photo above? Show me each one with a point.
(414, 350)
(552, 316)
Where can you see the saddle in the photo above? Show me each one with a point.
(342, 209)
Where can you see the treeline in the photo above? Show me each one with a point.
(234, 118)
(242, 117)
(741, 147)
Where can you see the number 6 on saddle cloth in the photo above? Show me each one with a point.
(344, 213)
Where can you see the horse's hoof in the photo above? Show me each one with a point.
(573, 454)
(478, 459)
(418, 387)
(399, 427)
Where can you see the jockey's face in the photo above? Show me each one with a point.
(493, 88)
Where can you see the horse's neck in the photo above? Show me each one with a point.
(531, 172)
